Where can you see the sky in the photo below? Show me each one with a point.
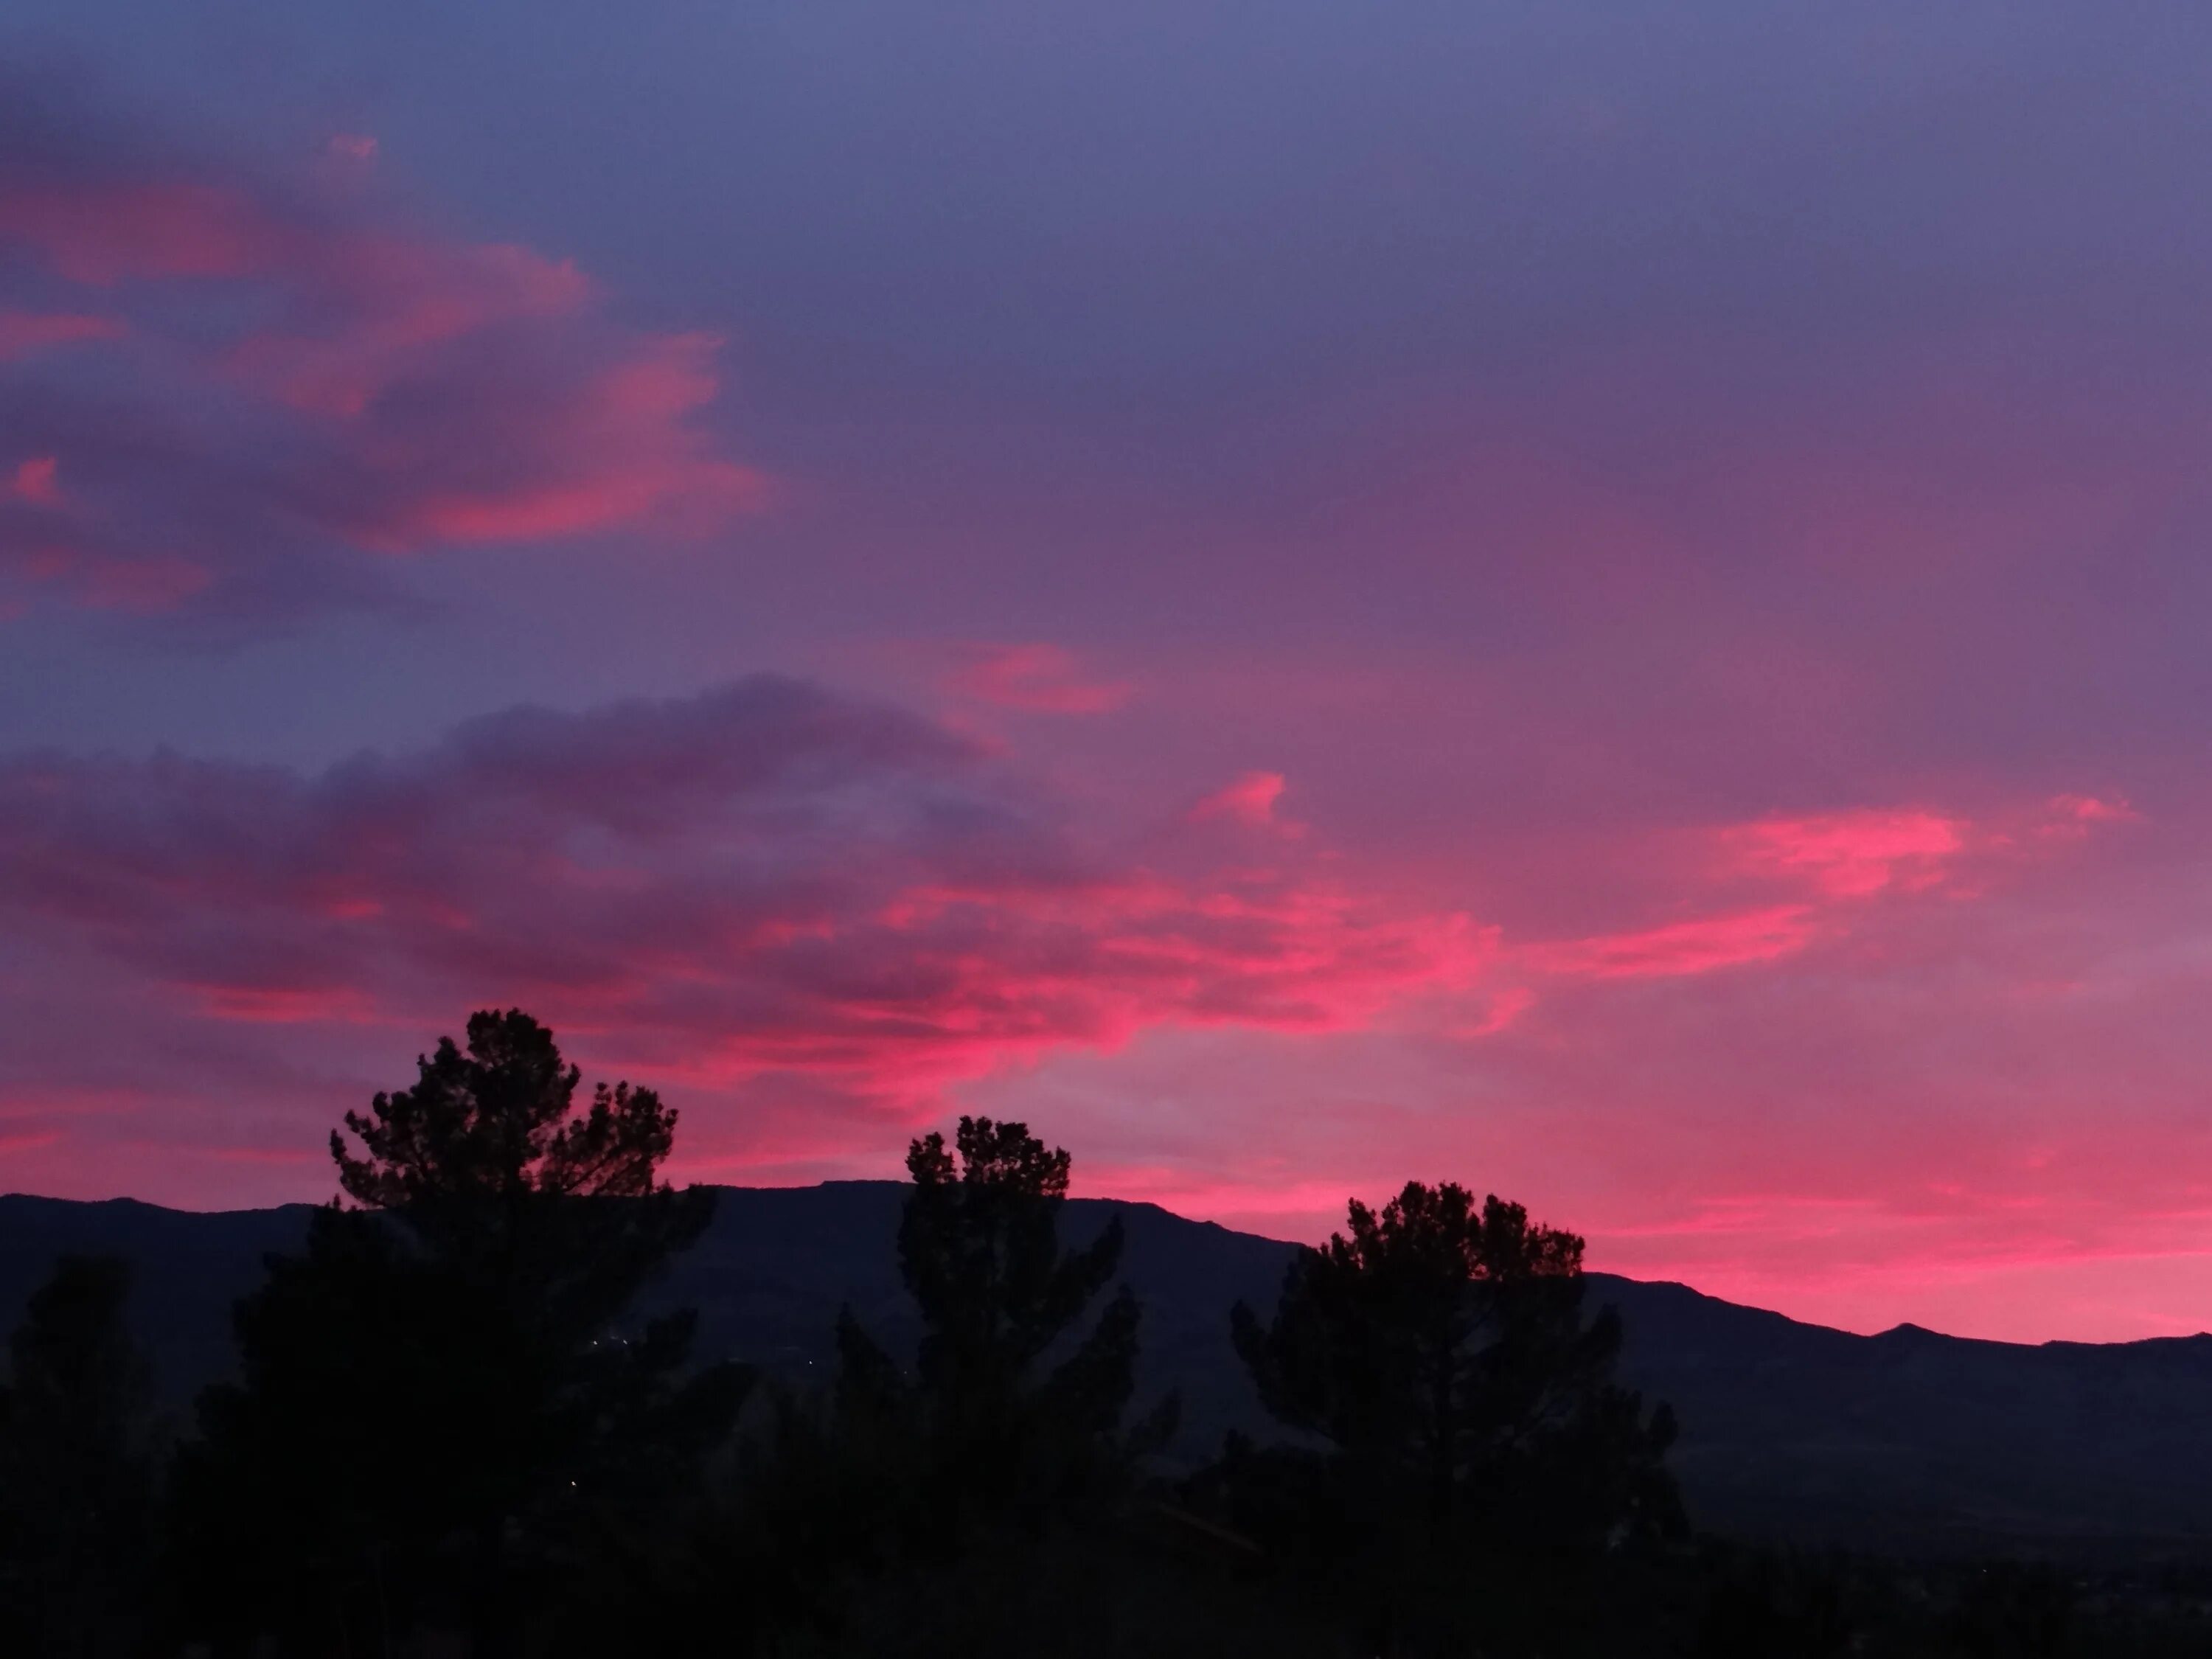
(1608, 603)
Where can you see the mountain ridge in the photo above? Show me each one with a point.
(1907, 1439)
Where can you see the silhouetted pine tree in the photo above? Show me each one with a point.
(979, 1249)
(1008, 1420)
(440, 1420)
(1458, 1407)
(74, 1469)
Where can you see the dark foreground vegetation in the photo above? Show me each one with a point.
(452, 1431)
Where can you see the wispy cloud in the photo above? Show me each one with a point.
(22, 333)
(1034, 678)
(1701, 946)
(1851, 854)
(1251, 799)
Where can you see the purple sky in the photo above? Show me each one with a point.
(1607, 605)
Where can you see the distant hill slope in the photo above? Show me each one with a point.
(1905, 1441)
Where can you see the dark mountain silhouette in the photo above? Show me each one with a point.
(1908, 1441)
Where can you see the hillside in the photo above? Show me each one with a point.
(1908, 1441)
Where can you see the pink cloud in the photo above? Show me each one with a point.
(1503, 1011)
(817, 921)
(1703, 947)
(105, 231)
(1250, 799)
(284, 1005)
(2088, 809)
(22, 333)
(2071, 818)
(635, 460)
(1844, 860)
(1861, 1139)
(304, 380)
(762, 889)
(142, 585)
(406, 297)
(34, 482)
(1036, 679)
(1852, 854)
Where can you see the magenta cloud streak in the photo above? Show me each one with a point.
(818, 920)
(762, 892)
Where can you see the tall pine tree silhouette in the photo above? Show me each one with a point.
(937, 1506)
(1438, 1351)
(979, 1249)
(441, 1420)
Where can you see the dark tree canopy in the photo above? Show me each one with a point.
(979, 1248)
(77, 1385)
(1479, 1462)
(486, 1160)
(1440, 1348)
(74, 1469)
(439, 1396)
(500, 1122)
(431, 1448)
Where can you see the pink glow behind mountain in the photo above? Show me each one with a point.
(1615, 613)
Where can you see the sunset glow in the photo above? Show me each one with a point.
(863, 569)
